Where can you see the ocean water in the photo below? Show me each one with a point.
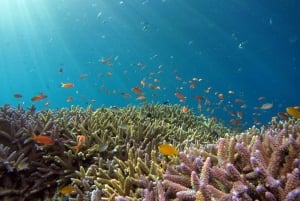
(235, 55)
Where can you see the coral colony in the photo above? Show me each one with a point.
(147, 153)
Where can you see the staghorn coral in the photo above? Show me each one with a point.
(256, 165)
(118, 159)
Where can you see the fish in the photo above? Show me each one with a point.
(18, 95)
(266, 106)
(136, 90)
(83, 76)
(168, 150)
(141, 98)
(47, 103)
(39, 97)
(67, 85)
(293, 111)
(185, 109)
(67, 190)
(238, 100)
(80, 142)
(105, 60)
(180, 96)
(199, 98)
(69, 99)
(283, 115)
(125, 95)
(43, 139)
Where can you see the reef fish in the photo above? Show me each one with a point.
(293, 111)
(42, 139)
(80, 142)
(39, 97)
(66, 85)
(266, 106)
(67, 190)
(167, 149)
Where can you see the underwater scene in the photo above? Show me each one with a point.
(149, 100)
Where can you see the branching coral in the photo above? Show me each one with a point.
(117, 160)
(252, 166)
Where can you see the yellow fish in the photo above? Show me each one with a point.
(67, 190)
(293, 111)
(167, 149)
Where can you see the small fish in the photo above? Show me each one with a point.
(179, 95)
(43, 139)
(168, 150)
(69, 99)
(185, 109)
(66, 85)
(18, 95)
(83, 76)
(67, 190)
(283, 115)
(293, 111)
(141, 98)
(47, 103)
(239, 100)
(80, 142)
(266, 106)
(125, 95)
(106, 60)
(199, 98)
(221, 96)
(39, 97)
(239, 114)
(60, 70)
(136, 90)
(192, 85)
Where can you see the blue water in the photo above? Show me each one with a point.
(250, 48)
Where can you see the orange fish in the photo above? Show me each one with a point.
(239, 100)
(39, 97)
(168, 150)
(180, 96)
(80, 142)
(67, 85)
(293, 111)
(192, 85)
(185, 109)
(136, 90)
(69, 99)
(43, 139)
(67, 190)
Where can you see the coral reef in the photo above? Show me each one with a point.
(116, 161)
(112, 154)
